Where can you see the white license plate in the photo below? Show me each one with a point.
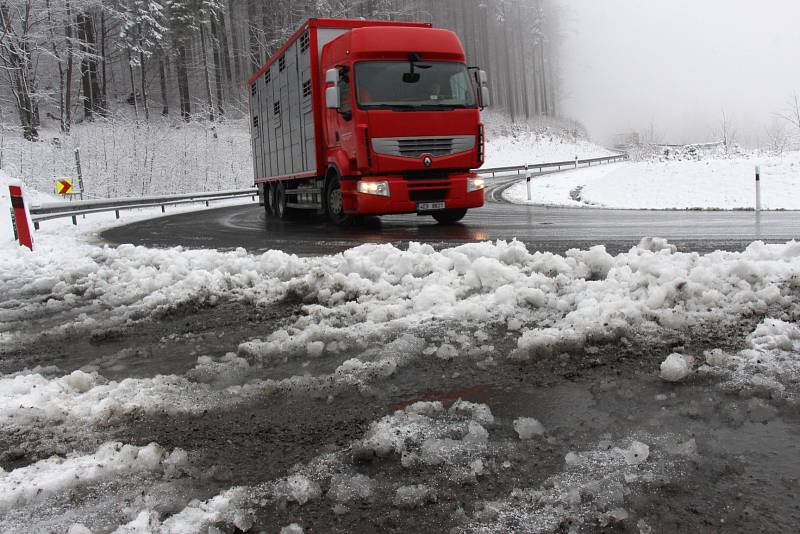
(430, 206)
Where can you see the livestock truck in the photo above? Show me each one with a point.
(357, 117)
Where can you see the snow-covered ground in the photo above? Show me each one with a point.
(528, 148)
(371, 312)
(715, 183)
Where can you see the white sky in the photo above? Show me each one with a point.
(677, 64)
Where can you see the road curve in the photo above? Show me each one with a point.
(541, 228)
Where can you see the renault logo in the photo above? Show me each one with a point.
(427, 161)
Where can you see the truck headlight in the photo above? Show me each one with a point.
(374, 188)
(475, 184)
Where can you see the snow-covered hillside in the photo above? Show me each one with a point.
(122, 159)
(717, 183)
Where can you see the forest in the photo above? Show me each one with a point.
(65, 62)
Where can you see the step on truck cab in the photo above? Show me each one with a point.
(358, 117)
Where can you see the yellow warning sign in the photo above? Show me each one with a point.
(64, 186)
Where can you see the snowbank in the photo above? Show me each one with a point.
(689, 184)
(48, 477)
(378, 295)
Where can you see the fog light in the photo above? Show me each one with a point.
(475, 184)
(374, 188)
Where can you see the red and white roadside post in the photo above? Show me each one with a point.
(19, 217)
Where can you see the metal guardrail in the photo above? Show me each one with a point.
(55, 210)
(559, 165)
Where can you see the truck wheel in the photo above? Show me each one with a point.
(281, 210)
(334, 206)
(450, 216)
(269, 199)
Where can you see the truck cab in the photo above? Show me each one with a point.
(402, 122)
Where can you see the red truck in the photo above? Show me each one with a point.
(360, 117)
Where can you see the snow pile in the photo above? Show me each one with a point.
(345, 488)
(298, 488)
(528, 427)
(410, 497)
(229, 508)
(372, 302)
(31, 399)
(675, 368)
(770, 367)
(48, 477)
(592, 489)
(718, 183)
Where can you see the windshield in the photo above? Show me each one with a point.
(426, 85)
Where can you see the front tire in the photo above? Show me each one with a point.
(334, 202)
(450, 216)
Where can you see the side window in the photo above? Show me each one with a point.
(346, 94)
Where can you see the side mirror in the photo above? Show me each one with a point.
(333, 99)
(332, 76)
(481, 79)
(484, 96)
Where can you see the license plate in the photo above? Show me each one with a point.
(430, 206)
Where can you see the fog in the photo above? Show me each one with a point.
(673, 66)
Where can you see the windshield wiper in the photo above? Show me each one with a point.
(443, 106)
(395, 107)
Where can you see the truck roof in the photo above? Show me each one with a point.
(333, 23)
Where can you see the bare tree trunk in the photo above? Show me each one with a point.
(89, 83)
(252, 37)
(133, 86)
(104, 87)
(211, 114)
(57, 55)
(162, 73)
(143, 83)
(215, 49)
(183, 84)
(17, 62)
(68, 82)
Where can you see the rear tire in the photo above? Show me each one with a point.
(334, 204)
(450, 216)
(282, 211)
(269, 199)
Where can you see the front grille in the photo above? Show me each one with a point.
(422, 195)
(437, 174)
(415, 147)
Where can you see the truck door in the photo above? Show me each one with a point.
(340, 122)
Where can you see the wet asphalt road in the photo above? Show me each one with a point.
(541, 228)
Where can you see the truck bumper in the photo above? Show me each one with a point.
(406, 194)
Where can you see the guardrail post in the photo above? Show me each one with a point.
(758, 188)
(163, 210)
(116, 212)
(74, 220)
(528, 182)
(206, 203)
